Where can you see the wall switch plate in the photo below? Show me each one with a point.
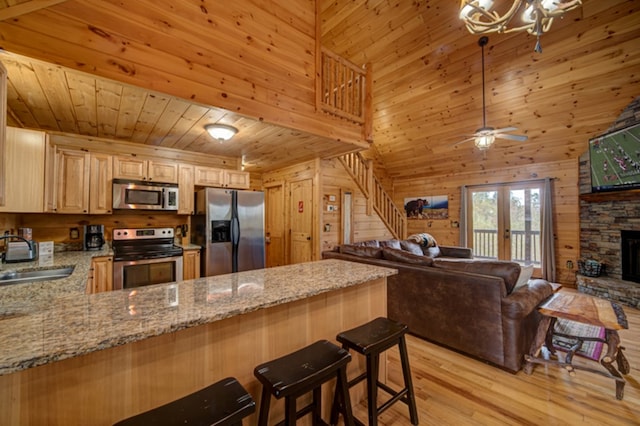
(74, 233)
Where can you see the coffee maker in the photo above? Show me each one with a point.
(93, 237)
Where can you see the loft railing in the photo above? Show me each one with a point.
(344, 90)
(361, 171)
(525, 245)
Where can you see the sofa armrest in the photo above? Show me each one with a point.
(451, 251)
(522, 301)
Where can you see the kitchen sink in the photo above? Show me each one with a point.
(16, 277)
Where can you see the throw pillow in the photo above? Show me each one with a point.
(411, 247)
(525, 275)
(403, 256)
(391, 243)
(424, 240)
(362, 251)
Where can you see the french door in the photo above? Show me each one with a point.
(505, 222)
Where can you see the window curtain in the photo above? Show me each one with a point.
(463, 216)
(548, 252)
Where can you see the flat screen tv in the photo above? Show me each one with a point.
(615, 160)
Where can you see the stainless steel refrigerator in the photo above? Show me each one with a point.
(229, 226)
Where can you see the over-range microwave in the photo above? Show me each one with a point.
(128, 194)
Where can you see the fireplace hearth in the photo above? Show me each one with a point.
(630, 253)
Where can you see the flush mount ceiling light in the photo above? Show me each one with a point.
(221, 132)
(536, 16)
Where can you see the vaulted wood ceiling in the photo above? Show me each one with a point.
(427, 89)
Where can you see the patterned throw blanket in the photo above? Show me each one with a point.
(589, 349)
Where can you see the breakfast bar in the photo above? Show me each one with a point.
(96, 359)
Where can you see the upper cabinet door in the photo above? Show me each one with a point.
(72, 195)
(24, 172)
(3, 126)
(100, 184)
(209, 176)
(237, 179)
(129, 168)
(187, 189)
(161, 171)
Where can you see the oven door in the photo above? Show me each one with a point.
(142, 272)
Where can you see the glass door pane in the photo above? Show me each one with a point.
(484, 224)
(525, 226)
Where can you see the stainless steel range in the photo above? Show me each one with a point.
(145, 256)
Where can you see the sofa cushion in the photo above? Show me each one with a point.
(369, 243)
(411, 247)
(508, 271)
(362, 251)
(391, 243)
(424, 239)
(403, 256)
(525, 274)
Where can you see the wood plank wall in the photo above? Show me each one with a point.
(335, 180)
(565, 199)
(256, 59)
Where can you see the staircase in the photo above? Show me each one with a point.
(378, 200)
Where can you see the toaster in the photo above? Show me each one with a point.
(21, 251)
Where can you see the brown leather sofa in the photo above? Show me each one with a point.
(449, 298)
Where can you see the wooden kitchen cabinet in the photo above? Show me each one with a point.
(72, 181)
(148, 170)
(191, 264)
(187, 189)
(100, 275)
(100, 184)
(80, 182)
(24, 170)
(222, 178)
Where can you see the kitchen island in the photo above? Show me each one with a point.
(95, 359)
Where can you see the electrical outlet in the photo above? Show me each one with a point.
(569, 264)
(74, 233)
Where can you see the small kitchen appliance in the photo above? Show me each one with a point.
(93, 237)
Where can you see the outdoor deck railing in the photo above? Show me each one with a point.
(525, 246)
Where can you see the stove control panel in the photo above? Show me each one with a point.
(142, 233)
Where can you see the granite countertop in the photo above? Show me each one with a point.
(37, 295)
(48, 323)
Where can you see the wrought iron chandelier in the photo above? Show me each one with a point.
(536, 16)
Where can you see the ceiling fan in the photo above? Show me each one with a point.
(485, 136)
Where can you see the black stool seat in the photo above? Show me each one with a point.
(373, 337)
(223, 403)
(303, 371)
(370, 340)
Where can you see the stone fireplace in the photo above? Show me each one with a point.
(604, 218)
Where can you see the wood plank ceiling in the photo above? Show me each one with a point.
(427, 91)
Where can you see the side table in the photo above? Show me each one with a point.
(587, 310)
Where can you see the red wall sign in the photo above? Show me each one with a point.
(300, 206)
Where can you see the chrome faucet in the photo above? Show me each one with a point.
(22, 255)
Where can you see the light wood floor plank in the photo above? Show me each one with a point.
(453, 389)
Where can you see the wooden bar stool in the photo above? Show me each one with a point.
(223, 403)
(370, 340)
(303, 371)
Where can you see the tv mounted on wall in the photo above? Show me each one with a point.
(615, 160)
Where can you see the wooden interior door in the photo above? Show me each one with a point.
(301, 220)
(275, 225)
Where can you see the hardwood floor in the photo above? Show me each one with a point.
(453, 389)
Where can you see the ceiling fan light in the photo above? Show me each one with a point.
(483, 142)
(221, 132)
